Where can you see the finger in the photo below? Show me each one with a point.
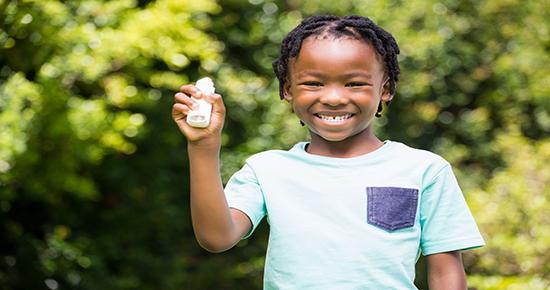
(179, 115)
(186, 100)
(189, 90)
(180, 111)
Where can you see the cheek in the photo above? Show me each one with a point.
(296, 108)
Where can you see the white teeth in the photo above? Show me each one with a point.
(334, 118)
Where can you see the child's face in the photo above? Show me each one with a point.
(335, 86)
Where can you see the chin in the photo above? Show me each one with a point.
(338, 136)
(333, 137)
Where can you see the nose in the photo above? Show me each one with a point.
(334, 97)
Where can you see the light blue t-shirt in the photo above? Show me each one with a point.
(352, 223)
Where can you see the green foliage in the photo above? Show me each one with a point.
(18, 112)
(514, 203)
(93, 174)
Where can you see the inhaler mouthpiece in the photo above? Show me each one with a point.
(205, 85)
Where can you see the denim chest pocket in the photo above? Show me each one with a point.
(391, 208)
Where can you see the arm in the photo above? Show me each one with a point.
(445, 271)
(217, 227)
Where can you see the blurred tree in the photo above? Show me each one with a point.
(89, 198)
(93, 174)
(514, 205)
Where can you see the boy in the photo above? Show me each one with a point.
(346, 210)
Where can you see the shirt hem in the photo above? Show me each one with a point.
(446, 246)
(254, 222)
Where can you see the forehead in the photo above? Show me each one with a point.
(336, 55)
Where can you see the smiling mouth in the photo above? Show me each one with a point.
(334, 118)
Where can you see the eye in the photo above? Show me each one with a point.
(312, 84)
(357, 84)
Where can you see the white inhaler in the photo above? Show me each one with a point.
(200, 118)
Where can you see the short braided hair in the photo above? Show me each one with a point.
(358, 27)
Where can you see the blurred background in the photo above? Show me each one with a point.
(94, 174)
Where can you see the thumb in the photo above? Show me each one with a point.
(218, 106)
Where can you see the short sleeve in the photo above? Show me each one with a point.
(446, 221)
(243, 192)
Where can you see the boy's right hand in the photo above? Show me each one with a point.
(209, 136)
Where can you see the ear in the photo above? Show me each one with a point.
(286, 91)
(386, 95)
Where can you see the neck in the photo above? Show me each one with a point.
(360, 144)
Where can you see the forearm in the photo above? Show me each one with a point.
(445, 271)
(210, 214)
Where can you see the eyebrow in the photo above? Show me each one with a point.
(347, 75)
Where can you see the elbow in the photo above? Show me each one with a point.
(214, 246)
